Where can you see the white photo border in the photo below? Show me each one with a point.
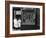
(27, 31)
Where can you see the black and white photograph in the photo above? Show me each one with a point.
(26, 18)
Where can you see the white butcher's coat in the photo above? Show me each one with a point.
(15, 23)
